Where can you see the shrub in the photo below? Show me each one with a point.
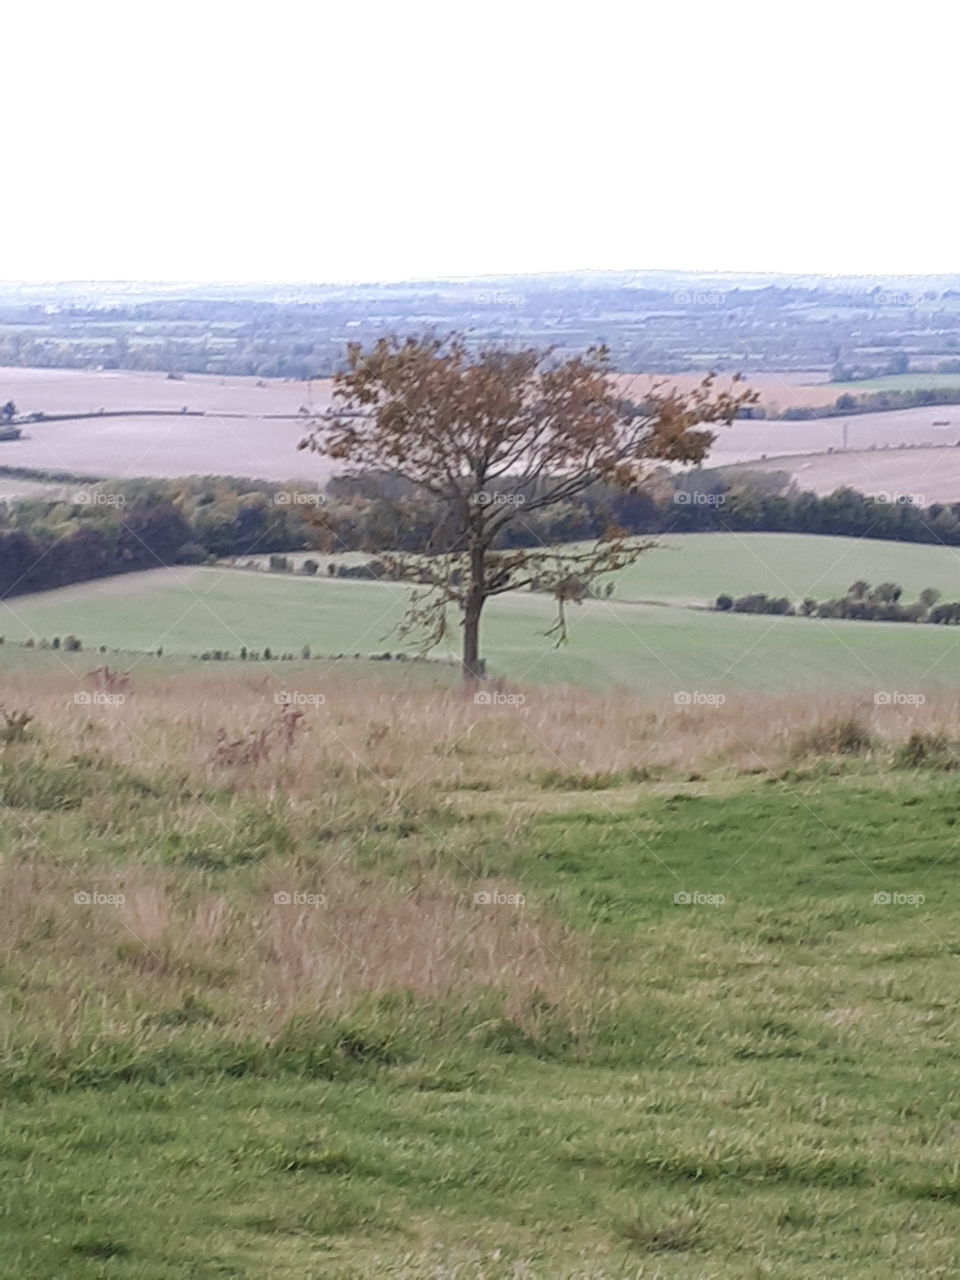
(723, 603)
(192, 553)
(926, 751)
(760, 602)
(843, 736)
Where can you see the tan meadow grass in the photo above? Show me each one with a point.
(416, 769)
(408, 744)
(256, 961)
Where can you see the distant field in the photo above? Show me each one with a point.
(750, 439)
(694, 568)
(126, 447)
(777, 390)
(87, 390)
(648, 648)
(900, 382)
(224, 440)
(921, 475)
(253, 445)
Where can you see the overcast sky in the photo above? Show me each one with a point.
(363, 141)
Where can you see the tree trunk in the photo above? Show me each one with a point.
(473, 667)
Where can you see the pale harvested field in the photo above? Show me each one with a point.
(257, 446)
(265, 447)
(749, 439)
(86, 391)
(261, 448)
(777, 390)
(921, 476)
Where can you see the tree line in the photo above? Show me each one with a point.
(122, 526)
(861, 603)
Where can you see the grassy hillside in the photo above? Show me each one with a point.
(695, 567)
(652, 648)
(492, 1041)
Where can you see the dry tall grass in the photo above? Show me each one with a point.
(372, 764)
(403, 740)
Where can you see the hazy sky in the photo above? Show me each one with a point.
(316, 141)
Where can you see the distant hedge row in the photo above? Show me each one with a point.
(862, 603)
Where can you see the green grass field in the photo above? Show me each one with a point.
(759, 1083)
(694, 568)
(646, 647)
(902, 382)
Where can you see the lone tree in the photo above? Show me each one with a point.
(489, 437)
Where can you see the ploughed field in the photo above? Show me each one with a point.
(252, 427)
